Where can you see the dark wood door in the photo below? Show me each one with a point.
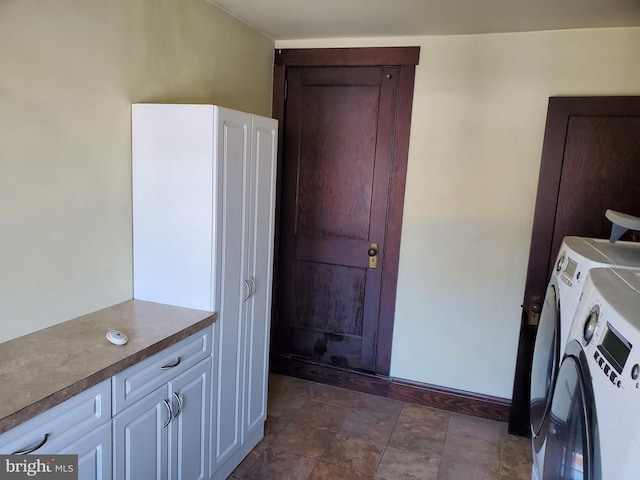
(590, 163)
(339, 134)
(336, 175)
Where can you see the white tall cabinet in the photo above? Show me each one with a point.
(203, 223)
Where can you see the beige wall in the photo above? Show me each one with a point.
(478, 123)
(69, 71)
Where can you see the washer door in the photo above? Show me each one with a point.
(546, 358)
(570, 452)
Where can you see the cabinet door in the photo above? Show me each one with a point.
(141, 441)
(232, 161)
(260, 272)
(94, 454)
(189, 428)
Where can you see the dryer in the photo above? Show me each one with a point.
(594, 426)
(576, 257)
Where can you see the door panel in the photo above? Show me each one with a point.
(336, 176)
(336, 159)
(590, 162)
(233, 153)
(330, 298)
(261, 269)
(94, 450)
(141, 442)
(189, 428)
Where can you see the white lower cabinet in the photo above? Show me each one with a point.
(141, 438)
(94, 454)
(189, 429)
(80, 425)
(150, 421)
(165, 435)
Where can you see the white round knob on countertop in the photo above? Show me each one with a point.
(117, 337)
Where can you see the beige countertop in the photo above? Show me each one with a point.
(44, 368)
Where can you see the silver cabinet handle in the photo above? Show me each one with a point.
(34, 448)
(167, 367)
(246, 285)
(179, 400)
(166, 404)
(255, 287)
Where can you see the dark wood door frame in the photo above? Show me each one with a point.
(560, 111)
(406, 58)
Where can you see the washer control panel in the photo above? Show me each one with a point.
(610, 351)
(606, 369)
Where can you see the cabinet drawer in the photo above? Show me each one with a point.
(137, 381)
(62, 424)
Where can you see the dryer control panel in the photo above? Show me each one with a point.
(610, 351)
(606, 368)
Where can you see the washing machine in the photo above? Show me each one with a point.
(576, 257)
(593, 432)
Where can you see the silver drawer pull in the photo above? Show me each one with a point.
(253, 283)
(246, 285)
(34, 448)
(166, 404)
(179, 400)
(167, 367)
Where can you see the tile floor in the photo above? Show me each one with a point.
(316, 432)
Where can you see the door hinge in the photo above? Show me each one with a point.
(286, 89)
